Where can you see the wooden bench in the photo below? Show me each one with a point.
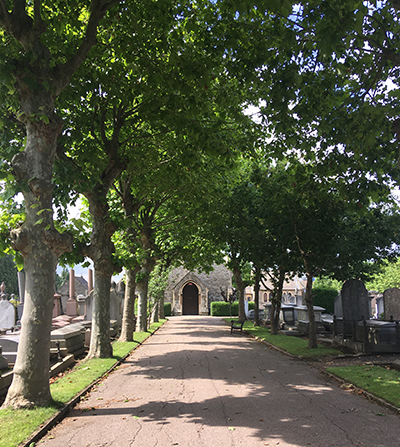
(236, 326)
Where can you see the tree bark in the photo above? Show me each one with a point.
(161, 311)
(276, 302)
(100, 345)
(154, 318)
(37, 240)
(101, 252)
(142, 288)
(30, 384)
(240, 292)
(40, 245)
(257, 275)
(312, 340)
(128, 317)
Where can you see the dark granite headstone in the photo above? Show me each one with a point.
(391, 303)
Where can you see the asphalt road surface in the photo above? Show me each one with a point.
(193, 384)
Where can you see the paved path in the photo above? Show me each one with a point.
(193, 384)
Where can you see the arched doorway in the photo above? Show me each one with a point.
(190, 300)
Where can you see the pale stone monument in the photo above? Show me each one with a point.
(57, 305)
(391, 303)
(7, 315)
(116, 302)
(338, 310)
(72, 305)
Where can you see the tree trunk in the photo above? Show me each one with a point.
(101, 252)
(257, 276)
(40, 245)
(240, 292)
(30, 384)
(128, 317)
(312, 340)
(276, 303)
(161, 311)
(100, 345)
(154, 318)
(142, 288)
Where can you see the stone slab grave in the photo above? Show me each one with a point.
(355, 304)
(9, 344)
(60, 321)
(7, 315)
(71, 339)
(391, 303)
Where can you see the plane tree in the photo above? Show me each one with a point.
(342, 104)
(162, 199)
(38, 63)
(231, 227)
(387, 277)
(43, 45)
(122, 100)
(273, 250)
(333, 235)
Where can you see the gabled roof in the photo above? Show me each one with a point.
(82, 280)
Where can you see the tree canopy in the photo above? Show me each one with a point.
(89, 90)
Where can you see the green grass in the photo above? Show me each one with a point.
(293, 345)
(17, 425)
(377, 380)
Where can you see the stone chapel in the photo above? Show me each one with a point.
(191, 293)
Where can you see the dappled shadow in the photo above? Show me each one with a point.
(193, 372)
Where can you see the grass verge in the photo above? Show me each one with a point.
(293, 345)
(17, 425)
(378, 380)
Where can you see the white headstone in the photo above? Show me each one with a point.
(7, 315)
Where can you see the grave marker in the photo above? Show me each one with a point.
(391, 303)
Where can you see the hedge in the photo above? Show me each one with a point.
(167, 309)
(221, 308)
(325, 297)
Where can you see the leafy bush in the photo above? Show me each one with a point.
(324, 296)
(221, 308)
(167, 309)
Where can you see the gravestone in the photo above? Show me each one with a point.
(379, 306)
(9, 344)
(7, 315)
(3, 360)
(355, 304)
(57, 305)
(81, 305)
(337, 307)
(391, 303)
(116, 302)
